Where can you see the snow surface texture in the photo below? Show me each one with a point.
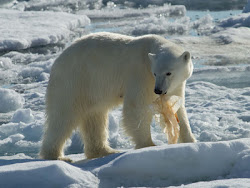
(242, 20)
(10, 100)
(57, 5)
(217, 96)
(159, 166)
(21, 30)
(113, 12)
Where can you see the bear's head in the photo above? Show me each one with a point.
(170, 69)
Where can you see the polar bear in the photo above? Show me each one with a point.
(103, 70)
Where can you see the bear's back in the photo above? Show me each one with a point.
(97, 47)
(105, 37)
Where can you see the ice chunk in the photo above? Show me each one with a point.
(5, 63)
(22, 115)
(10, 100)
(159, 25)
(12, 139)
(204, 25)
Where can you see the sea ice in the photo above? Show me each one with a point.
(210, 163)
(114, 13)
(30, 173)
(241, 20)
(21, 30)
(22, 115)
(10, 100)
(174, 164)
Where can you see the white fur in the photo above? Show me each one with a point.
(103, 70)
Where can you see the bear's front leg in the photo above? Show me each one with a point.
(137, 118)
(186, 134)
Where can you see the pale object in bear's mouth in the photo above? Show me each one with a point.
(167, 108)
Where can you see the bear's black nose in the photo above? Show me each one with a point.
(158, 91)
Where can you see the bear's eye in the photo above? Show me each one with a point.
(168, 74)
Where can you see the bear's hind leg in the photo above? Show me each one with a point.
(55, 135)
(94, 131)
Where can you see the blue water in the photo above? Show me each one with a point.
(217, 15)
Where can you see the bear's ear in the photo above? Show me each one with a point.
(151, 57)
(186, 56)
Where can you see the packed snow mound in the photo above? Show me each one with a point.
(221, 163)
(177, 164)
(21, 30)
(22, 115)
(10, 100)
(31, 173)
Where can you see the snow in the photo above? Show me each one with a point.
(22, 115)
(57, 5)
(217, 96)
(44, 174)
(175, 165)
(232, 183)
(10, 100)
(155, 25)
(116, 12)
(21, 30)
(242, 20)
(221, 162)
(150, 20)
